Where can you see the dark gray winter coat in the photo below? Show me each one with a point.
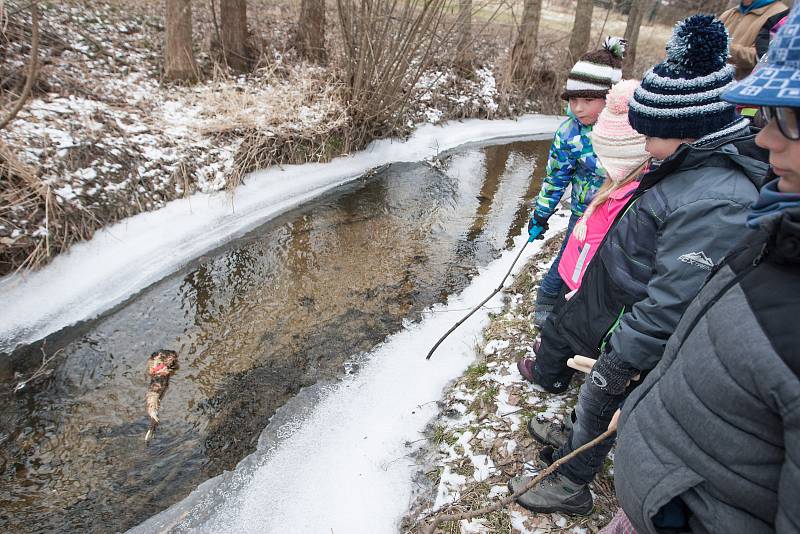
(682, 219)
(717, 422)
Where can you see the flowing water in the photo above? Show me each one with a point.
(284, 307)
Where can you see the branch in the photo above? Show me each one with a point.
(26, 91)
(439, 519)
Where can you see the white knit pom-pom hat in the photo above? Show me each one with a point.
(619, 147)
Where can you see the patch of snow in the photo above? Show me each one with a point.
(495, 345)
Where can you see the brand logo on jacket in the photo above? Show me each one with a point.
(698, 259)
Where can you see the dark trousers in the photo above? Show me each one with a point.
(552, 284)
(550, 367)
(593, 414)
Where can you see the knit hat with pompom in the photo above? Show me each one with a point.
(680, 97)
(619, 147)
(594, 74)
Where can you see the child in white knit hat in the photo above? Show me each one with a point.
(621, 153)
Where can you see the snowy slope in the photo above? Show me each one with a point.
(137, 252)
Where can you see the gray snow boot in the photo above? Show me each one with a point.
(544, 305)
(550, 433)
(555, 493)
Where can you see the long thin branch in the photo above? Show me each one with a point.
(33, 65)
(439, 519)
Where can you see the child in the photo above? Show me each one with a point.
(572, 160)
(686, 214)
(715, 427)
(622, 156)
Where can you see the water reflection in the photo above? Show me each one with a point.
(253, 322)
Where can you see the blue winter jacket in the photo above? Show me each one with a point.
(571, 161)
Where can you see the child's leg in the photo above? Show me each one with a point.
(550, 366)
(551, 284)
(594, 411)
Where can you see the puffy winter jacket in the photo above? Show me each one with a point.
(685, 216)
(717, 422)
(571, 161)
(750, 34)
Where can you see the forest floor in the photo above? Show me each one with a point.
(102, 138)
(480, 439)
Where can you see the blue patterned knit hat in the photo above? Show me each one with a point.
(778, 82)
(680, 97)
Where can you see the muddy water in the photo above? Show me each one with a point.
(253, 322)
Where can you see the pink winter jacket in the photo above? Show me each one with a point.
(578, 254)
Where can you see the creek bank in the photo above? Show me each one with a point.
(479, 440)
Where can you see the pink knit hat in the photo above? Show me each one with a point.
(619, 147)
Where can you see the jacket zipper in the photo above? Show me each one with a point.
(610, 331)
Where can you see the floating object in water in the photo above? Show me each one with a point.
(161, 365)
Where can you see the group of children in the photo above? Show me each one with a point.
(677, 282)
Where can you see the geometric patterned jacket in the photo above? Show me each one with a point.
(572, 160)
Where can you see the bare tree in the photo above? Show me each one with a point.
(233, 33)
(310, 37)
(179, 62)
(638, 9)
(524, 50)
(581, 30)
(465, 55)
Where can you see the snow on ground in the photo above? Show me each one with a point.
(138, 251)
(480, 439)
(349, 465)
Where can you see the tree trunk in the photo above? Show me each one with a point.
(178, 56)
(233, 32)
(638, 10)
(581, 30)
(524, 50)
(310, 39)
(465, 57)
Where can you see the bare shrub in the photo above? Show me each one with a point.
(387, 46)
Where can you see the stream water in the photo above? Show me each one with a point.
(254, 322)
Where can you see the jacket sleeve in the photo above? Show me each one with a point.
(561, 165)
(743, 57)
(690, 239)
(763, 37)
(787, 518)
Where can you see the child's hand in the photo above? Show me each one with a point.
(580, 230)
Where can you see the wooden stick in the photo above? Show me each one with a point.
(439, 519)
(476, 308)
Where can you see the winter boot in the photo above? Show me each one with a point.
(545, 456)
(550, 433)
(555, 493)
(544, 305)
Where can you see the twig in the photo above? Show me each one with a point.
(439, 519)
(41, 371)
(26, 91)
